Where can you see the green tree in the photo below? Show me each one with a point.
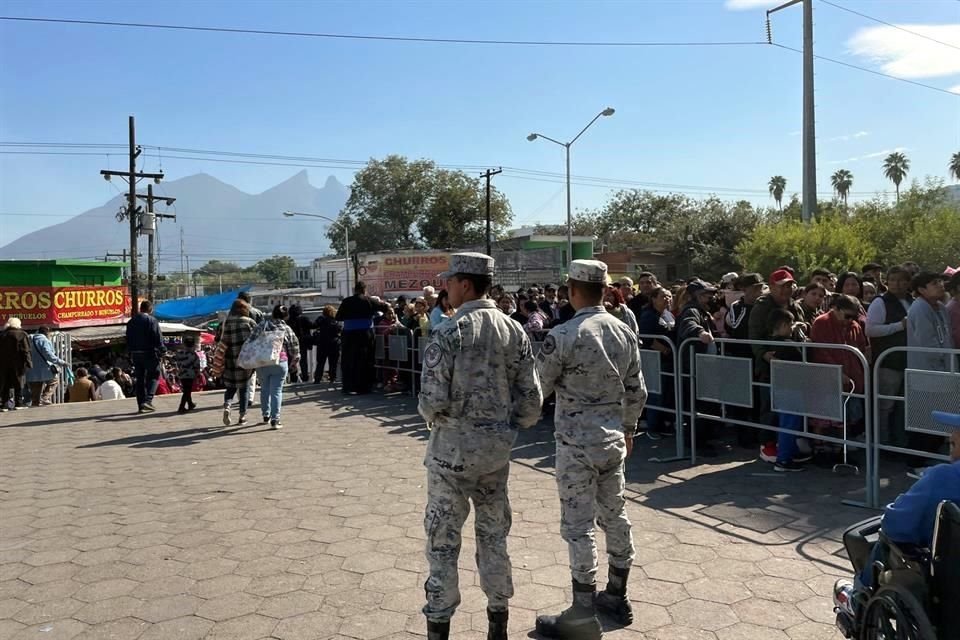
(397, 204)
(776, 187)
(933, 241)
(830, 243)
(275, 270)
(954, 166)
(456, 214)
(896, 166)
(842, 180)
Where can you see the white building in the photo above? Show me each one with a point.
(327, 275)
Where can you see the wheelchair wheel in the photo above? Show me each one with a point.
(893, 613)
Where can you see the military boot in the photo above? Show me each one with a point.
(579, 622)
(613, 600)
(438, 630)
(497, 625)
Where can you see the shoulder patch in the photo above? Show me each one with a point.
(549, 345)
(433, 355)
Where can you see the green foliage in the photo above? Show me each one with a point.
(776, 187)
(934, 241)
(396, 204)
(275, 270)
(830, 243)
(924, 227)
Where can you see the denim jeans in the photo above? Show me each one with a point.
(271, 389)
(146, 370)
(787, 442)
(228, 394)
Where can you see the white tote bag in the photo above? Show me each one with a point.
(261, 349)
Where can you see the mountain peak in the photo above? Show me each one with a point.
(332, 183)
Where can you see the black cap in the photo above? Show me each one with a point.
(697, 285)
(550, 287)
(749, 280)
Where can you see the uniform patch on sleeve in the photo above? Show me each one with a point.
(549, 345)
(433, 355)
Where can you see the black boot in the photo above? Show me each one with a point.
(613, 600)
(497, 625)
(579, 622)
(438, 630)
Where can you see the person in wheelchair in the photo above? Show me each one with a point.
(903, 560)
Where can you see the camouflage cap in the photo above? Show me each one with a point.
(588, 271)
(470, 263)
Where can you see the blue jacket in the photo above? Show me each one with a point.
(42, 355)
(911, 518)
(143, 334)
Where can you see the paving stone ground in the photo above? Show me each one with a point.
(169, 527)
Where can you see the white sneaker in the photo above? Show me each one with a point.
(226, 416)
(275, 424)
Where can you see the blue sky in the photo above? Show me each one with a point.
(696, 116)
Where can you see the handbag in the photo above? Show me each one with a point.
(219, 360)
(261, 349)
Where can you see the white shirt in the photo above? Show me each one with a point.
(877, 326)
(110, 390)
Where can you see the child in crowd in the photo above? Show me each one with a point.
(188, 367)
(788, 454)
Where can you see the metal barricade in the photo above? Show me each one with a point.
(63, 347)
(729, 380)
(402, 353)
(920, 391)
(653, 376)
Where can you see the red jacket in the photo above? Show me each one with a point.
(828, 330)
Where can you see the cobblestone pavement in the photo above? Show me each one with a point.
(168, 527)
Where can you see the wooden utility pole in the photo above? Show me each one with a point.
(489, 173)
(149, 229)
(132, 212)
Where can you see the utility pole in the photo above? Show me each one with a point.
(809, 124)
(489, 173)
(122, 256)
(132, 212)
(149, 229)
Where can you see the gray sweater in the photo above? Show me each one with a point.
(928, 327)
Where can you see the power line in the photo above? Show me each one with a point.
(889, 24)
(873, 71)
(344, 36)
(552, 178)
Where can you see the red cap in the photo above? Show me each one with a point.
(780, 276)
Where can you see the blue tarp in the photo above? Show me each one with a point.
(183, 308)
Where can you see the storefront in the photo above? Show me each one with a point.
(62, 294)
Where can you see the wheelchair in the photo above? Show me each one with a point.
(916, 591)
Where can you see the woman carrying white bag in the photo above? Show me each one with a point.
(274, 351)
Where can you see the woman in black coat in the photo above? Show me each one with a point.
(326, 335)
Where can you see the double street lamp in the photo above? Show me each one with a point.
(346, 234)
(609, 111)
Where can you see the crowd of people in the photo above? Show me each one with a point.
(872, 310)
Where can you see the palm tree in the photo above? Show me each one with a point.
(777, 185)
(842, 180)
(895, 168)
(954, 166)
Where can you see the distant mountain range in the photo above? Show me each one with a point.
(218, 220)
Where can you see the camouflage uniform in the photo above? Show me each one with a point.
(593, 363)
(479, 384)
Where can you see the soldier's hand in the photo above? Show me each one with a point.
(629, 440)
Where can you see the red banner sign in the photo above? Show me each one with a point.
(64, 306)
(404, 273)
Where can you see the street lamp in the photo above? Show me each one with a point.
(609, 111)
(346, 234)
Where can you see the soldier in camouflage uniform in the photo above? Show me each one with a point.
(593, 363)
(479, 385)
